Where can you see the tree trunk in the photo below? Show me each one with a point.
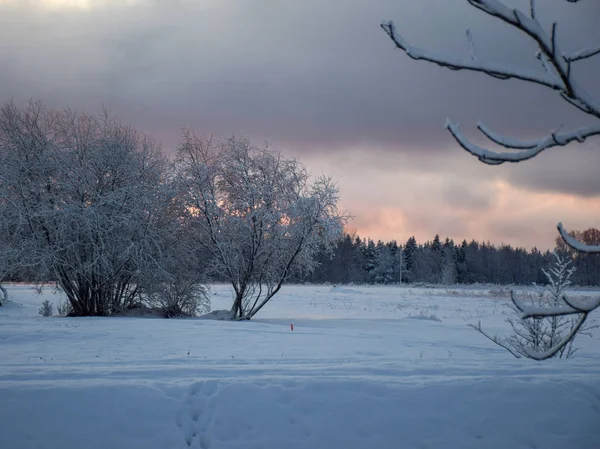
(4, 296)
(236, 309)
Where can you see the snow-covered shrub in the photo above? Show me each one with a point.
(534, 336)
(47, 309)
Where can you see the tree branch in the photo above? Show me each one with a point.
(528, 150)
(532, 9)
(535, 355)
(573, 306)
(494, 339)
(549, 53)
(497, 70)
(576, 244)
(582, 54)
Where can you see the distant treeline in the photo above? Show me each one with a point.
(364, 261)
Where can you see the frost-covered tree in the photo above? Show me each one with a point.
(384, 269)
(87, 201)
(556, 72)
(257, 214)
(449, 272)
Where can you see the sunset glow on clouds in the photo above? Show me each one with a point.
(321, 82)
(400, 202)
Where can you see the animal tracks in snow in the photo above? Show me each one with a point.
(218, 414)
(196, 418)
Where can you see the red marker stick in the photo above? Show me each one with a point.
(291, 327)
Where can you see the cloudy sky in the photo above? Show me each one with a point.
(320, 81)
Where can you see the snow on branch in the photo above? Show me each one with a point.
(583, 306)
(471, 45)
(544, 355)
(573, 306)
(576, 244)
(556, 74)
(583, 54)
(506, 141)
(495, 69)
(527, 150)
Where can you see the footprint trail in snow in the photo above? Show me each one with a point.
(196, 417)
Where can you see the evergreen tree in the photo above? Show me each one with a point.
(409, 250)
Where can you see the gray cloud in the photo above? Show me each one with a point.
(572, 170)
(305, 72)
(463, 196)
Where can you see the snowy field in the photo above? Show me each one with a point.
(364, 367)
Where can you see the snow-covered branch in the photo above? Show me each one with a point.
(559, 79)
(557, 74)
(552, 351)
(583, 54)
(527, 150)
(576, 244)
(572, 306)
(495, 69)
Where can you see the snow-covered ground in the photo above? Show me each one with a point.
(364, 367)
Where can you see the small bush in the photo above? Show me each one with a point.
(533, 336)
(178, 299)
(47, 309)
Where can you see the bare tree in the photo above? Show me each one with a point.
(257, 215)
(555, 72)
(87, 195)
